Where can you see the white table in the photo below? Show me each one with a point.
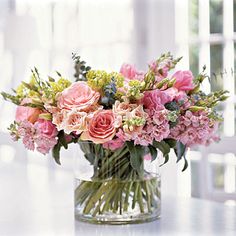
(35, 201)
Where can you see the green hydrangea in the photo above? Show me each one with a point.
(98, 79)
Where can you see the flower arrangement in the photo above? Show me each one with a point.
(118, 119)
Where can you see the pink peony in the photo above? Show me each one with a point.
(184, 80)
(114, 144)
(78, 96)
(128, 71)
(27, 113)
(102, 127)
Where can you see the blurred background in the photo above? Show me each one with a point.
(107, 33)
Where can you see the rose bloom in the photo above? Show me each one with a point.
(46, 128)
(122, 108)
(184, 80)
(128, 71)
(27, 113)
(101, 128)
(75, 122)
(78, 96)
(153, 99)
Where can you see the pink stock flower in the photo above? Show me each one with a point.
(102, 127)
(27, 131)
(45, 144)
(160, 70)
(78, 96)
(41, 135)
(27, 113)
(184, 80)
(114, 144)
(195, 128)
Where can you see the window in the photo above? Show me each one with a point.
(212, 41)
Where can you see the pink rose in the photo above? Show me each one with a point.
(156, 98)
(102, 127)
(128, 71)
(46, 128)
(184, 80)
(27, 113)
(78, 96)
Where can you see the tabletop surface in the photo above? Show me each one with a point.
(37, 201)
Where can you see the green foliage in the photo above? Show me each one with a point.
(61, 143)
(12, 98)
(136, 156)
(153, 152)
(164, 148)
(180, 151)
(80, 68)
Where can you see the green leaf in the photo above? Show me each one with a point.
(166, 159)
(180, 150)
(90, 157)
(171, 142)
(58, 73)
(162, 146)
(185, 164)
(153, 152)
(62, 140)
(56, 153)
(136, 156)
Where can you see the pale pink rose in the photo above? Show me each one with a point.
(46, 128)
(122, 108)
(101, 128)
(184, 80)
(59, 118)
(75, 122)
(27, 113)
(78, 96)
(128, 71)
(114, 144)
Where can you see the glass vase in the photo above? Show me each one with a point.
(108, 190)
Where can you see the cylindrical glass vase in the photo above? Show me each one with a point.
(108, 190)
